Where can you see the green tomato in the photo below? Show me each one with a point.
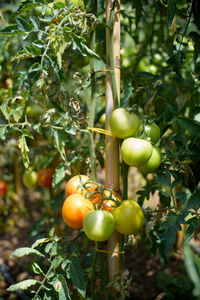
(98, 225)
(34, 110)
(136, 152)
(153, 163)
(129, 217)
(152, 132)
(30, 179)
(124, 124)
(102, 119)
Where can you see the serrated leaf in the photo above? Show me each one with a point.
(164, 179)
(194, 201)
(77, 274)
(11, 30)
(3, 131)
(26, 251)
(188, 124)
(39, 44)
(24, 149)
(39, 242)
(5, 109)
(23, 24)
(18, 113)
(23, 285)
(35, 22)
(189, 259)
(34, 68)
(59, 175)
(59, 142)
(36, 269)
(63, 288)
(171, 11)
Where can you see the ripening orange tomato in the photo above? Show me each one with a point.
(3, 188)
(45, 177)
(77, 185)
(74, 209)
(106, 202)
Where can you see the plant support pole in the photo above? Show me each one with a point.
(112, 101)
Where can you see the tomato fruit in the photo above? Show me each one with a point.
(145, 66)
(152, 132)
(136, 152)
(30, 178)
(45, 177)
(98, 225)
(129, 217)
(77, 184)
(124, 124)
(153, 163)
(3, 188)
(74, 210)
(109, 204)
(34, 110)
(102, 119)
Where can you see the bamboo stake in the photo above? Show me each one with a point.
(112, 86)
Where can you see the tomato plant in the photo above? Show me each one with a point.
(153, 163)
(136, 152)
(3, 188)
(124, 124)
(30, 178)
(129, 217)
(98, 225)
(79, 184)
(74, 210)
(45, 177)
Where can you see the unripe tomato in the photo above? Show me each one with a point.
(102, 119)
(153, 132)
(98, 225)
(3, 188)
(136, 152)
(34, 110)
(74, 210)
(77, 184)
(129, 217)
(124, 124)
(30, 178)
(153, 163)
(45, 177)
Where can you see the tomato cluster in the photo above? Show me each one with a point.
(43, 178)
(98, 210)
(138, 147)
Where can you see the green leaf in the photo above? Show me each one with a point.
(24, 149)
(77, 275)
(171, 225)
(26, 251)
(35, 68)
(164, 179)
(3, 131)
(5, 109)
(18, 113)
(79, 44)
(189, 259)
(62, 288)
(35, 22)
(171, 11)
(39, 242)
(70, 129)
(23, 24)
(189, 125)
(60, 172)
(194, 201)
(11, 29)
(36, 269)
(59, 142)
(23, 285)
